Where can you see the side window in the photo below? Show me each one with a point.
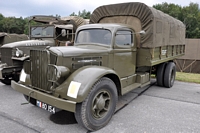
(123, 38)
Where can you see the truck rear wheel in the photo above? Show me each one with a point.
(99, 106)
(170, 74)
(160, 74)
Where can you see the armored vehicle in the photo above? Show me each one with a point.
(111, 57)
(51, 31)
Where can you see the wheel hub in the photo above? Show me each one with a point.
(100, 105)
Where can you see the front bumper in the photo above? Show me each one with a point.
(46, 98)
(8, 70)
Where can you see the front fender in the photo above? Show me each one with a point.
(86, 77)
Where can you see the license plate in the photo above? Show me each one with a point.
(47, 107)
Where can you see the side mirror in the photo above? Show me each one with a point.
(63, 32)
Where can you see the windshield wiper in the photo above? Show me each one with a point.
(45, 27)
(33, 28)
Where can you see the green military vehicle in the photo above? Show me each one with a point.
(110, 57)
(50, 31)
(8, 38)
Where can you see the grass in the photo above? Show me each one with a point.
(188, 77)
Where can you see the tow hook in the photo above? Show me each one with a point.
(29, 97)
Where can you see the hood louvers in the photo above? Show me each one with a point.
(79, 62)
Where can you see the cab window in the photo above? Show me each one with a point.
(124, 39)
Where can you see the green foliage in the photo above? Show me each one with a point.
(12, 25)
(84, 14)
(1, 24)
(189, 15)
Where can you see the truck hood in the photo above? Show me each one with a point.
(67, 51)
(28, 43)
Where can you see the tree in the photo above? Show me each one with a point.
(73, 14)
(7, 24)
(12, 24)
(84, 14)
(191, 19)
(1, 18)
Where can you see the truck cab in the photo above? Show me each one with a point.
(120, 42)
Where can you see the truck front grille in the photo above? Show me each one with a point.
(39, 61)
(6, 56)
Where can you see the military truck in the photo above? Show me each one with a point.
(50, 31)
(8, 38)
(110, 57)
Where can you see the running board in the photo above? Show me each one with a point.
(130, 88)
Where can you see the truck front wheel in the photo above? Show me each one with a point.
(99, 106)
(170, 74)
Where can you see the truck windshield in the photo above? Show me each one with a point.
(46, 31)
(94, 36)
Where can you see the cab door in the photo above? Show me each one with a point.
(125, 56)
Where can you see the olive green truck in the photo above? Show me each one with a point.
(117, 52)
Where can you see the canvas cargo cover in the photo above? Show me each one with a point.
(78, 20)
(161, 29)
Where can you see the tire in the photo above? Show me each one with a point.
(32, 101)
(170, 74)
(6, 81)
(99, 106)
(15, 77)
(160, 74)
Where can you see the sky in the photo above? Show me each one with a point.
(26, 8)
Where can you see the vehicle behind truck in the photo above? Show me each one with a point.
(11, 37)
(124, 44)
(49, 31)
(8, 38)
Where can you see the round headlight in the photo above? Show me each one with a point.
(18, 53)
